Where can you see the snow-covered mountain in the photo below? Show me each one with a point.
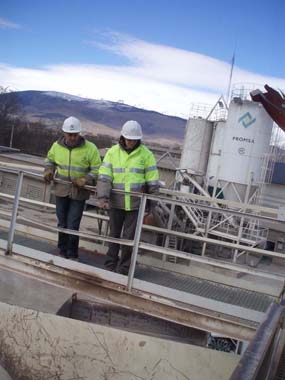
(97, 116)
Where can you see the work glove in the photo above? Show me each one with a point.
(48, 176)
(103, 203)
(80, 182)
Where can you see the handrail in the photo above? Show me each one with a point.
(164, 196)
(164, 250)
(257, 361)
(225, 202)
(136, 242)
(157, 229)
(51, 205)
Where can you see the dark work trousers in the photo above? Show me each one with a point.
(126, 220)
(69, 213)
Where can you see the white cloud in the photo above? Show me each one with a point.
(156, 77)
(6, 24)
(178, 66)
(109, 83)
(169, 64)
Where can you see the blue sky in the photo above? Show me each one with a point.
(158, 55)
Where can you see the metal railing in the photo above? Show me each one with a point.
(205, 205)
(262, 357)
(131, 285)
(207, 111)
(243, 90)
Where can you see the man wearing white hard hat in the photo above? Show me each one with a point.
(76, 162)
(129, 166)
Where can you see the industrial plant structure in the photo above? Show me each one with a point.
(204, 294)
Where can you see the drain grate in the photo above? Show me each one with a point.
(208, 289)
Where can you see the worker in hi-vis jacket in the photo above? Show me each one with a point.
(129, 166)
(75, 160)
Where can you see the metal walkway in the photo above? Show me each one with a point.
(200, 287)
(208, 289)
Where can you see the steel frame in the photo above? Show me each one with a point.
(111, 287)
(227, 320)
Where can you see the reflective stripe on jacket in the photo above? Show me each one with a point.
(71, 163)
(136, 171)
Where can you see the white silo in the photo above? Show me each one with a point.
(196, 146)
(241, 143)
(215, 151)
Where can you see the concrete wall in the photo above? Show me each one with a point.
(40, 346)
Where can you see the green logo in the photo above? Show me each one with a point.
(246, 120)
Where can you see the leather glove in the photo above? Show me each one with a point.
(48, 176)
(80, 182)
(103, 203)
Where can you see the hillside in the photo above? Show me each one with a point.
(99, 117)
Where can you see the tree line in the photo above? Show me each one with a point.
(31, 137)
(34, 137)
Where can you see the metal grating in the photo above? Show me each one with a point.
(34, 192)
(200, 287)
(280, 374)
(8, 185)
(208, 289)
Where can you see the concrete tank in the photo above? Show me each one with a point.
(216, 150)
(238, 147)
(196, 145)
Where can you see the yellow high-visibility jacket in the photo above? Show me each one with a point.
(135, 171)
(83, 160)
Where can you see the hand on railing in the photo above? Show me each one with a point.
(103, 203)
(79, 182)
(48, 177)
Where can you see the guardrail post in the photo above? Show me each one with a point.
(14, 213)
(169, 226)
(136, 242)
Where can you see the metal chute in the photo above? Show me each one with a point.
(274, 103)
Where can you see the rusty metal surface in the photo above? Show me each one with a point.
(273, 102)
(177, 311)
(200, 287)
(116, 294)
(117, 316)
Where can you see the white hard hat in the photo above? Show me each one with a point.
(71, 125)
(132, 130)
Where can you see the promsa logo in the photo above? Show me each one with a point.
(246, 120)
